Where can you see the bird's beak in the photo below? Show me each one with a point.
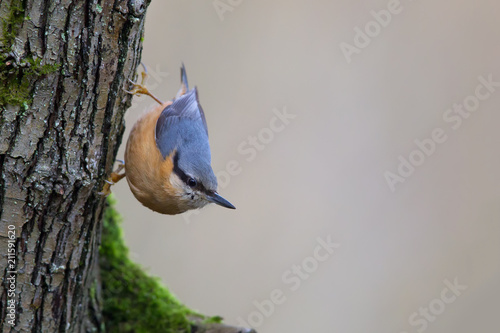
(217, 199)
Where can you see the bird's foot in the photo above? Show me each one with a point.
(114, 178)
(139, 89)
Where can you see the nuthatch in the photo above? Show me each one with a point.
(167, 158)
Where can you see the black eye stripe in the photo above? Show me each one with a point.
(178, 170)
(184, 177)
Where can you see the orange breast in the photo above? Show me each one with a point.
(148, 174)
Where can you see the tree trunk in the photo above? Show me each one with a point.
(63, 65)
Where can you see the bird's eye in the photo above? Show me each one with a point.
(192, 182)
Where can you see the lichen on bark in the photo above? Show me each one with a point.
(16, 73)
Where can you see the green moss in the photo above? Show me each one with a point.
(132, 300)
(16, 74)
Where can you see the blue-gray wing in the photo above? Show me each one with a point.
(182, 123)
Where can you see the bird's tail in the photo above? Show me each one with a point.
(184, 83)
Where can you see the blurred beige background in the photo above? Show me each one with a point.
(397, 253)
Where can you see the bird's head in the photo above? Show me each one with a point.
(194, 181)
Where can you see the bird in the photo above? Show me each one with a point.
(167, 157)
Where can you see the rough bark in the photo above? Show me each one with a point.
(55, 151)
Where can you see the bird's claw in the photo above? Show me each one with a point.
(137, 89)
(106, 189)
(113, 179)
(140, 88)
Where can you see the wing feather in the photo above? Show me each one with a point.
(181, 122)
